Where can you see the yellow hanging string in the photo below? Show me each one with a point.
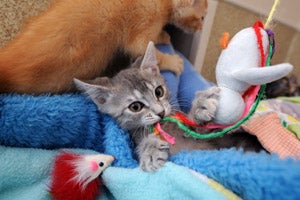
(271, 14)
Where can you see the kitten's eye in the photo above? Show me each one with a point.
(136, 106)
(159, 92)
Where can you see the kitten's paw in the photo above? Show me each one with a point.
(164, 38)
(172, 62)
(205, 105)
(153, 153)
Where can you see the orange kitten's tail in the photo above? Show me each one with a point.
(4, 79)
(10, 75)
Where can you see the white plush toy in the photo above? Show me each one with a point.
(241, 65)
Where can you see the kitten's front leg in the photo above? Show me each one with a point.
(171, 62)
(152, 152)
(204, 105)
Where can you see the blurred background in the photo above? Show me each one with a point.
(202, 49)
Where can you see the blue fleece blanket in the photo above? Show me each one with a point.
(72, 121)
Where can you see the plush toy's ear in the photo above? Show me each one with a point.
(224, 40)
(149, 63)
(263, 75)
(99, 89)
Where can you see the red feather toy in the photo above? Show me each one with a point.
(75, 176)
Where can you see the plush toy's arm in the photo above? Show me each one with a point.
(263, 75)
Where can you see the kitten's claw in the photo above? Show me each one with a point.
(204, 115)
(205, 105)
(153, 153)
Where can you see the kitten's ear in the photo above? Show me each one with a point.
(99, 89)
(137, 63)
(182, 3)
(201, 3)
(149, 62)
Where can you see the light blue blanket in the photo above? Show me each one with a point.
(25, 174)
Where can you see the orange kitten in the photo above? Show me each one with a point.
(78, 38)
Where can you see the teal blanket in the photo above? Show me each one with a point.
(25, 174)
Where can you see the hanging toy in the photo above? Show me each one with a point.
(240, 67)
(241, 75)
(76, 176)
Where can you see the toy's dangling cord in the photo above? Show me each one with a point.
(257, 92)
(271, 15)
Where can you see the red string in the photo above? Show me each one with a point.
(256, 28)
(252, 92)
(183, 119)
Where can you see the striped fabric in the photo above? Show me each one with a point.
(273, 136)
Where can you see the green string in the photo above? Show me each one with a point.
(196, 135)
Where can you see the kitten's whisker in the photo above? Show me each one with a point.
(134, 133)
(181, 99)
(174, 103)
(188, 87)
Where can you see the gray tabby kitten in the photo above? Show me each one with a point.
(138, 97)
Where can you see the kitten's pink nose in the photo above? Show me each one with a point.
(162, 114)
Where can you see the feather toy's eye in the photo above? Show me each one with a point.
(159, 92)
(136, 106)
(101, 164)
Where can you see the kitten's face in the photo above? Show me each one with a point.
(135, 97)
(138, 99)
(189, 14)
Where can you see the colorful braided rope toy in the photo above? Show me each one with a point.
(241, 75)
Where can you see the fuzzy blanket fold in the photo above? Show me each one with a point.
(50, 122)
